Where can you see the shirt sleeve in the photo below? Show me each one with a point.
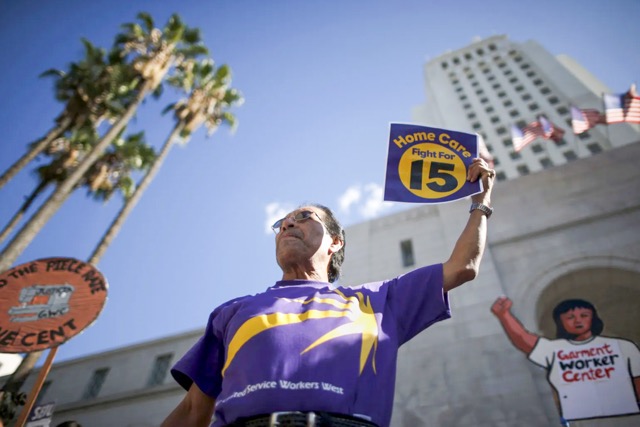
(542, 353)
(203, 362)
(632, 353)
(417, 300)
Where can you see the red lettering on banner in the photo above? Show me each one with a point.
(590, 375)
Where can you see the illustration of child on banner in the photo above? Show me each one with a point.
(592, 376)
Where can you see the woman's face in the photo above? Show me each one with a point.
(578, 322)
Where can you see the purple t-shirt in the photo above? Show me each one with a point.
(305, 346)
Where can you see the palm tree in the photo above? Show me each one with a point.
(93, 89)
(111, 173)
(152, 52)
(65, 153)
(208, 103)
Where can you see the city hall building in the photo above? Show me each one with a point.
(564, 226)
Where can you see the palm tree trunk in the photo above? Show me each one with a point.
(37, 149)
(132, 201)
(23, 209)
(62, 192)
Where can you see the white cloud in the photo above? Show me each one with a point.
(351, 196)
(373, 204)
(365, 199)
(274, 211)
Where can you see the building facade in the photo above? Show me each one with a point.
(495, 83)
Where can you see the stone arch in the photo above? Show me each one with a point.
(585, 276)
(612, 285)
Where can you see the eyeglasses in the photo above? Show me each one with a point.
(298, 217)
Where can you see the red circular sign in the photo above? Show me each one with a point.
(44, 303)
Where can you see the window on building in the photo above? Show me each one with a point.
(479, 92)
(501, 130)
(561, 142)
(502, 64)
(456, 61)
(545, 91)
(533, 106)
(459, 89)
(492, 47)
(495, 119)
(491, 77)
(480, 52)
(570, 155)
(474, 83)
(462, 97)
(523, 169)
(562, 110)
(486, 70)
(536, 148)
(594, 148)
(500, 176)
(466, 106)
(584, 136)
(514, 155)
(455, 81)
(476, 126)
(525, 66)
(43, 391)
(95, 383)
(502, 94)
(513, 80)
(471, 76)
(489, 109)
(471, 116)
(526, 97)
(507, 142)
(484, 100)
(159, 369)
(553, 100)
(521, 124)
(514, 113)
(507, 103)
(467, 56)
(531, 73)
(496, 86)
(496, 161)
(546, 162)
(508, 72)
(445, 65)
(519, 88)
(517, 58)
(406, 249)
(537, 82)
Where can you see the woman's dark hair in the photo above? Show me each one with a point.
(597, 325)
(335, 230)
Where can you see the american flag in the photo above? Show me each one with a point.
(583, 120)
(613, 111)
(523, 137)
(549, 130)
(622, 108)
(632, 106)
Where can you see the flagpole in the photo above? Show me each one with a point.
(604, 108)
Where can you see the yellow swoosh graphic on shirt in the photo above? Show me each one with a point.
(360, 313)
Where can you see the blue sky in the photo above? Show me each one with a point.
(321, 79)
